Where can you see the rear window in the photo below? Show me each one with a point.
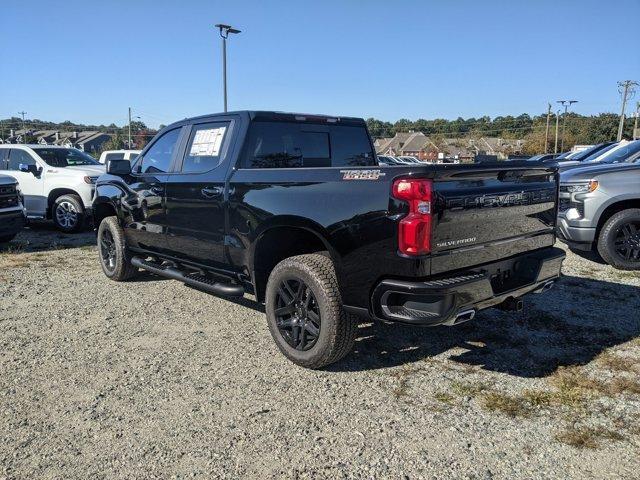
(295, 145)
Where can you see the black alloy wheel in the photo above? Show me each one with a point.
(297, 314)
(108, 250)
(627, 241)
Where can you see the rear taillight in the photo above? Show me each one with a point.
(414, 230)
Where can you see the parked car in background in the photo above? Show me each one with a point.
(118, 155)
(600, 210)
(57, 182)
(621, 152)
(295, 210)
(588, 154)
(410, 159)
(12, 213)
(543, 157)
(388, 161)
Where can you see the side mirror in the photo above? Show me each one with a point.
(118, 167)
(30, 168)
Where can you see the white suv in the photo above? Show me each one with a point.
(56, 182)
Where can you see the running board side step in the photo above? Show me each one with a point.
(192, 279)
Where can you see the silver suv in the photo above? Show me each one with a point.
(599, 209)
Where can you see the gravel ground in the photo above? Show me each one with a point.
(154, 379)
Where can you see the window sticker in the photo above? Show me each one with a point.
(207, 142)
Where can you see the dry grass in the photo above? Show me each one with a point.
(539, 398)
(618, 363)
(464, 389)
(507, 404)
(587, 437)
(402, 389)
(625, 385)
(444, 397)
(573, 381)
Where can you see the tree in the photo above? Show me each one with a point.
(116, 142)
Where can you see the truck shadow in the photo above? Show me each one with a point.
(569, 325)
(41, 236)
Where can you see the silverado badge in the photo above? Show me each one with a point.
(361, 174)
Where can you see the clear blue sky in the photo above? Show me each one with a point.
(87, 61)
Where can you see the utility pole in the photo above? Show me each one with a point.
(546, 133)
(636, 134)
(555, 148)
(566, 104)
(627, 89)
(225, 30)
(129, 144)
(23, 129)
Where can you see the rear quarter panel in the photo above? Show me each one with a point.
(356, 219)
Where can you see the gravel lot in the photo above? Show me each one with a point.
(154, 379)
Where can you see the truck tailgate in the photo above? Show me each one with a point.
(493, 212)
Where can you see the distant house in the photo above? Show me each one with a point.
(87, 141)
(415, 144)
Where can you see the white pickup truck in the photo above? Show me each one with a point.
(57, 182)
(118, 155)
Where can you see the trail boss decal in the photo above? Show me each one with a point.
(361, 174)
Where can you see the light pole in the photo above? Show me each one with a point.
(555, 148)
(566, 104)
(225, 30)
(24, 131)
(138, 117)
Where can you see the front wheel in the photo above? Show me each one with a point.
(114, 257)
(68, 213)
(305, 314)
(619, 240)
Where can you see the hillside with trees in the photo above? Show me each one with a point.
(580, 129)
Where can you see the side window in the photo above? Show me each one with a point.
(17, 156)
(287, 145)
(158, 157)
(351, 147)
(204, 149)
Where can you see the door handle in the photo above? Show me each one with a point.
(212, 192)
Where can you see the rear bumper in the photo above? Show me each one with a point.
(12, 222)
(448, 300)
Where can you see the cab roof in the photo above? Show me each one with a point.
(262, 115)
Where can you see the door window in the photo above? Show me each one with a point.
(204, 150)
(17, 156)
(158, 157)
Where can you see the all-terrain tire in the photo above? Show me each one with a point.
(68, 213)
(114, 256)
(611, 231)
(338, 328)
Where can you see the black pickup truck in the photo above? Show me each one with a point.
(295, 210)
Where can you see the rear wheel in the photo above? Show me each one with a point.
(305, 314)
(68, 213)
(619, 240)
(114, 257)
